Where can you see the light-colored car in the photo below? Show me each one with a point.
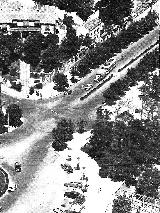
(12, 188)
(88, 87)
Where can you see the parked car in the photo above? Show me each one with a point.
(109, 77)
(74, 184)
(17, 167)
(72, 194)
(69, 158)
(12, 188)
(67, 168)
(78, 185)
(38, 86)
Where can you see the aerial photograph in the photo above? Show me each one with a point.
(79, 106)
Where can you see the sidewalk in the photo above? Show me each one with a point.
(47, 91)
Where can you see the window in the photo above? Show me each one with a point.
(20, 24)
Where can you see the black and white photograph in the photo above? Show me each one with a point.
(79, 106)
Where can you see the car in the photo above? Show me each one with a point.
(107, 64)
(88, 87)
(74, 184)
(103, 67)
(98, 78)
(109, 77)
(72, 194)
(69, 158)
(58, 210)
(17, 167)
(12, 188)
(78, 185)
(67, 168)
(111, 59)
(68, 92)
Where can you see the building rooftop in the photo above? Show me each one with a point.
(46, 14)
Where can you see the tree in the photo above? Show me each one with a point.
(122, 205)
(82, 7)
(51, 39)
(149, 182)
(81, 126)
(70, 45)
(32, 48)
(15, 113)
(150, 94)
(61, 82)
(114, 12)
(2, 123)
(4, 58)
(62, 133)
(50, 58)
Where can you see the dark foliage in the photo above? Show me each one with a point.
(114, 12)
(3, 129)
(123, 149)
(122, 205)
(148, 64)
(82, 7)
(31, 91)
(62, 133)
(15, 113)
(148, 183)
(32, 48)
(106, 50)
(81, 126)
(17, 87)
(61, 82)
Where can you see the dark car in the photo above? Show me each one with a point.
(72, 194)
(17, 167)
(67, 168)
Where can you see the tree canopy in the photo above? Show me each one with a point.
(15, 114)
(83, 8)
(114, 11)
(61, 82)
(32, 48)
(62, 133)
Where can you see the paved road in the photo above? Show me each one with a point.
(30, 143)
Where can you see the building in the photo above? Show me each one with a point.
(32, 19)
(94, 27)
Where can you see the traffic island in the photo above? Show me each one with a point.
(4, 181)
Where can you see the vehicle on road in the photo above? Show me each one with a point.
(87, 87)
(68, 92)
(17, 167)
(109, 77)
(98, 78)
(110, 60)
(58, 210)
(12, 188)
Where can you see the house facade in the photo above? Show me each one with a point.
(94, 27)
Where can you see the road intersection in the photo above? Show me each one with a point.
(31, 143)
